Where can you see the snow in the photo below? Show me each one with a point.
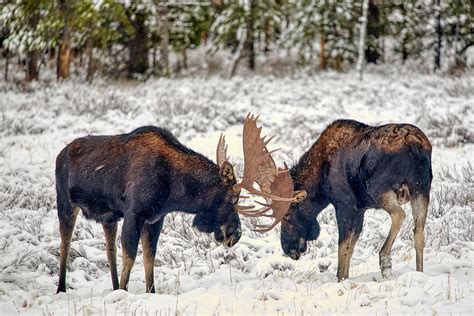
(194, 275)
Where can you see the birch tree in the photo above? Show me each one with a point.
(363, 29)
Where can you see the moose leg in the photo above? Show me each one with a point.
(67, 219)
(150, 235)
(419, 207)
(110, 232)
(350, 222)
(131, 228)
(390, 204)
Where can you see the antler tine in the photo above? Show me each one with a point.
(256, 213)
(264, 228)
(221, 151)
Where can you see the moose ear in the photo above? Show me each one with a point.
(299, 196)
(227, 173)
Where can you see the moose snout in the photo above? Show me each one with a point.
(232, 236)
(295, 249)
(294, 254)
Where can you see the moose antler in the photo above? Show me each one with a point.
(283, 187)
(258, 162)
(276, 185)
(221, 152)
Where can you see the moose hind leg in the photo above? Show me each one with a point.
(419, 206)
(349, 232)
(390, 203)
(67, 219)
(110, 232)
(150, 235)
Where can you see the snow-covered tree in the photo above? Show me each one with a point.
(457, 19)
(325, 27)
(244, 22)
(189, 25)
(27, 31)
(409, 23)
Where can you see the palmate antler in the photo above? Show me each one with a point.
(281, 186)
(276, 185)
(258, 163)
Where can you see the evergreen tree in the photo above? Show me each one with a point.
(246, 23)
(332, 24)
(189, 26)
(138, 13)
(409, 25)
(27, 31)
(457, 19)
(375, 30)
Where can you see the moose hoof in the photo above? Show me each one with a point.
(386, 266)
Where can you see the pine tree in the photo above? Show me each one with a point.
(332, 24)
(457, 19)
(409, 24)
(374, 31)
(189, 25)
(27, 31)
(241, 25)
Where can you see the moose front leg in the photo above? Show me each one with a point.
(110, 232)
(131, 228)
(350, 222)
(150, 235)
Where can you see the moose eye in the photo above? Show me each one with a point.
(234, 199)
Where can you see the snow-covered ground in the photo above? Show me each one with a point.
(193, 274)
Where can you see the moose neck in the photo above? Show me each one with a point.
(308, 174)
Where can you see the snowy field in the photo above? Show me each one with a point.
(193, 274)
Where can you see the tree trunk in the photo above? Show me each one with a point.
(237, 56)
(404, 51)
(404, 45)
(64, 54)
(268, 35)
(32, 55)
(185, 59)
(249, 45)
(153, 59)
(363, 29)
(7, 63)
(91, 68)
(374, 27)
(138, 45)
(439, 34)
(163, 22)
(322, 53)
(384, 28)
(32, 65)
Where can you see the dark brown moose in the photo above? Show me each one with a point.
(355, 167)
(144, 175)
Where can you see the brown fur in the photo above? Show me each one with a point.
(141, 176)
(354, 167)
